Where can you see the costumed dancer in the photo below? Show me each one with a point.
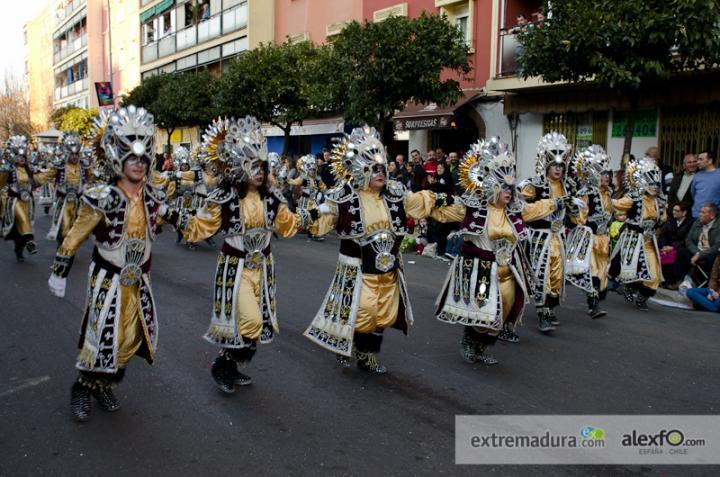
(547, 235)
(488, 283)
(45, 154)
(69, 175)
(182, 193)
(19, 211)
(245, 210)
(588, 245)
(120, 318)
(368, 293)
(635, 260)
(308, 188)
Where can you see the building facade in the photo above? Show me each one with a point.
(73, 44)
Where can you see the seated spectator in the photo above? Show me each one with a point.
(680, 186)
(702, 242)
(708, 298)
(705, 186)
(671, 241)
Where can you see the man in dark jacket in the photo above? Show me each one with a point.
(703, 240)
(672, 241)
(680, 186)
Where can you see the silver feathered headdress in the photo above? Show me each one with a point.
(17, 147)
(553, 149)
(589, 164)
(354, 158)
(641, 175)
(130, 132)
(487, 168)
(235, 147)
(306, 164)
(72, 142)
(181, 157)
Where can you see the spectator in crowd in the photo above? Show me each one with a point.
(395, 173)
(326, 175)
(167, 164)
(680, 186)
(418, 171)
(431, 163)
(705, 185)
(400, 161)
(453, 163)
(409, 176)
(666, 171)
(439, 182)
(440, 155)
(672, 241)
(708, 298)
(702, 242)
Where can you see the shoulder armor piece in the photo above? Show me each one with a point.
(395, 191)
(156, 193)
(342, 193)
(221, 195)
(274, 192)
(103, 198)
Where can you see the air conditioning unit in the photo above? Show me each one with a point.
(335, 28)
(399, 10)
(299, 37)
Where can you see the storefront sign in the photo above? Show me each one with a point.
(645, 124)
(431, 122)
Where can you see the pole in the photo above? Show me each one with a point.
(109, 29)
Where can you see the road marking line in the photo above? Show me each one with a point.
(28, 383)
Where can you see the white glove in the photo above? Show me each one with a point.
(57, 285)
(179, 174)
(579, 203)
(163, 210)
(324, 209)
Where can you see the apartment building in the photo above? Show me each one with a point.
(72, 44)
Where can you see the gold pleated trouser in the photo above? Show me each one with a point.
(68, 218)
(555, 275)
(130, 331)
(22, 217)
(600, 258)
(379, 302)
(507, 289)
(249, 316)
(653, 266)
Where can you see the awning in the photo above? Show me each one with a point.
(431, 116)
(309, 127)
(156, 10)
(695, 89)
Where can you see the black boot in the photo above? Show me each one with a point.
(508, 334)
(19, 252)
(343, 361)
(544, 324)
(31, 247)
(629, 294)
(594, 307)
(641, 303)
(482, 357)
(80, 403)
(467, 347)
(106, 398)
(224, 372)
(367, 361)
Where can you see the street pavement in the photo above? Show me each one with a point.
(304, 415)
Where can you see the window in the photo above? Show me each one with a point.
(461, 23)
(167, 23)
(150, 31)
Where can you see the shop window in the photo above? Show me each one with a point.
(580, 129)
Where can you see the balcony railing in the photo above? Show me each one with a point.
(70, 48)
(70, 89)
(217, 25)
(64, 13)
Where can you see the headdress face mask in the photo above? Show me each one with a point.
(590, 164)
(72, 143)
(181, 157)
(247, 148)
(358, 155)
(18, 147)
(488, 169)
(274, 163)
(553, 150)
(129, 136)
(306, 164)
(643, 176)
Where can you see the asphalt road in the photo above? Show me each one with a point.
(304, 415)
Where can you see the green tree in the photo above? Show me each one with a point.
(375, 68)
(622, 44)
(176, 100)
(79, 120)
(274, 83)
(57, 115)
